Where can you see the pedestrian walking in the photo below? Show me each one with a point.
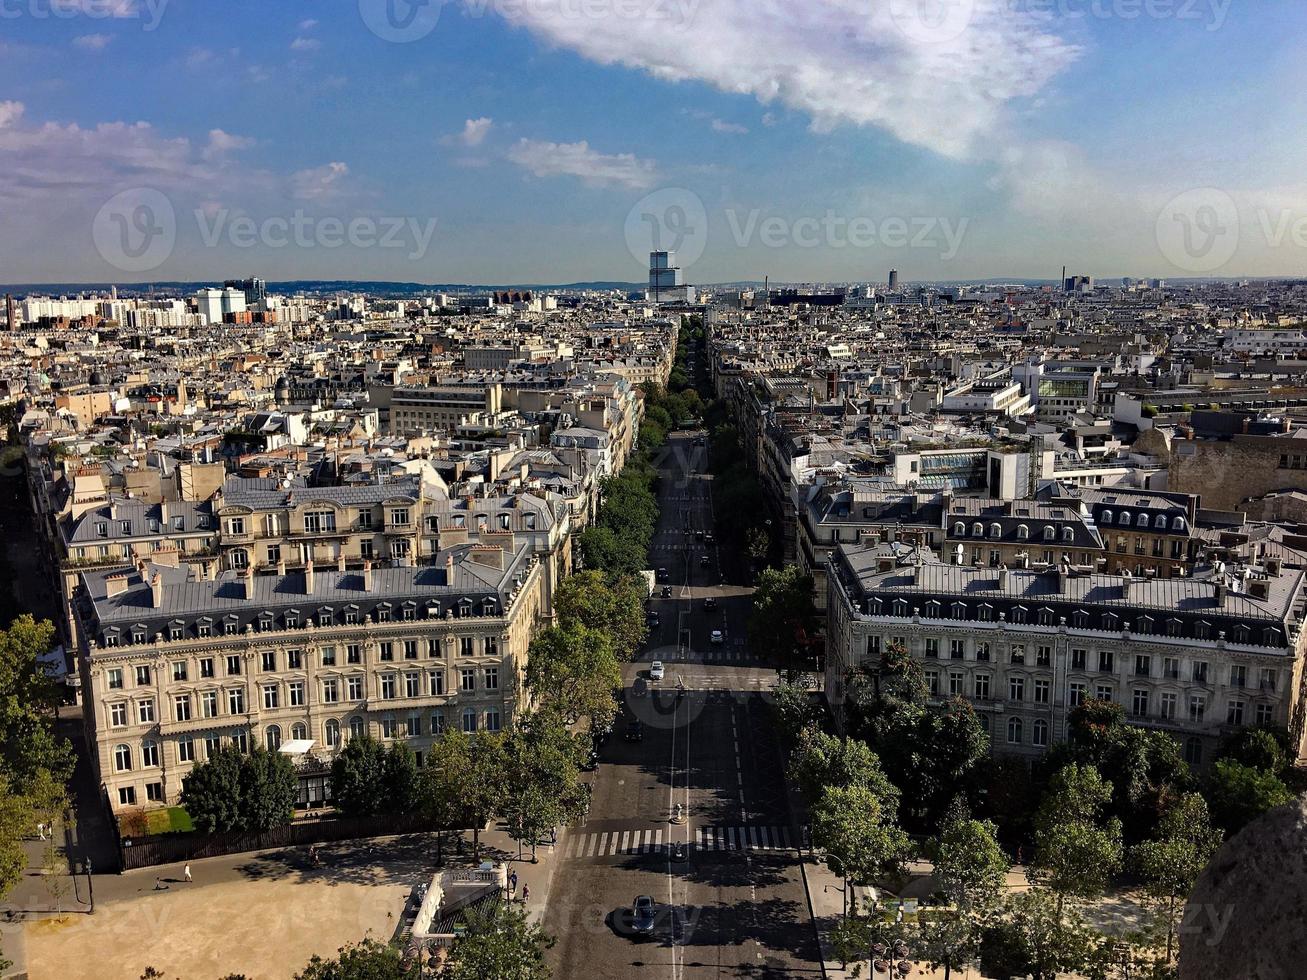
(186, 873)
(512, 883)
(159, 886)
(526, 893)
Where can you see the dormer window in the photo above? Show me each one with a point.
(1050, 532)
(1178, 524)
(977, 530)
(959, 530)
(1023, 532)
(1125, 518)
(1107, 517)
(326, 617)
(1142, 521)
(504, 522)
(1068, 535)
(959, 610)
(995, 531)
(1160, 522)
(530, 521)
(465, 608)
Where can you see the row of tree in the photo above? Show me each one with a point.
(35, 762)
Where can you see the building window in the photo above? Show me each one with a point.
(271, 697)
(127, 796)
(353, 654)
(1016, 688)
(1039, 733)
(179, 670)
(490, 646)
(328, 656)
(465, 646)
(1139, 702)
(387, 650)
(206, 667)
(355, 688)
(331, 734)
(273, 737)
(1234, 712)
(437, 723)
(436, 682)
(118, 715)
(388, 687)
(236, 701)
(1043, 656)
(469, 720)
(932, 681)
(982, 651)
(1106, 662)
(181, 707)
(1077, 695)
(185, 749)
(982, 687)
(1018, 655)
(492, 719)
(145, 711)
(319, 521)
(956, 649)
(932, 647)
(268, 660)
(492, 678)
(410, 646)
(1197, 707)
(467, 679)
(1104, 693)
(1238, 675)
(294, 660)
(209, 704)
(1268, 679)
(142, 676)
(296, 691)
(1264, 714)
(1014, 731)
(412, 685)
(1041, 691)
(1079, 659)
(114, 678)
(233, 665)
(1193, 751)
(122, 758)
(356, 727)
(149, 754)
(955, 678)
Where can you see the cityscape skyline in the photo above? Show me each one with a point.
(318, 142)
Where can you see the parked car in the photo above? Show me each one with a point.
(662, 575)
(718, 637)
(698, 535)
(634, 732)
(651, 618)
(656, 670)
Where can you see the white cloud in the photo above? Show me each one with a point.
(305, 44)
(474, 132)
(769, 119)
(318, 183)
(10, 112)
(835, 60)
(722, 126)
(92, 42)
(308, 25)
(578, 160)
(222, 143)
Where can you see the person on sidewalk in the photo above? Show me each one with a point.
(512, 883)
(186, 873)
(526, 893)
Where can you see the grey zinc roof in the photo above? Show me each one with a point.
(82, 530)
(238, 493)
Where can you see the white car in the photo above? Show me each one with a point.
(656, 670)
(718, 637)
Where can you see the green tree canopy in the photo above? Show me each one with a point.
(821, 760)
(369, 960)
(860, 839)
(1079, 849)
(211, 792)
(501, 943)
(268, 788)
(970, 867)
(1034, 938)
(1171, 864)
(464, 777)
(573, 669)
(612, 604)
(358, 777)
(1239, 794)
(1265, 749)
(783, 620)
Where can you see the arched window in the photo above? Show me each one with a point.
(995, 530)
(1014, 731)
(1050, 532)
(299, 731)
(331, 734)
(356, 727)
(1178, 524)
(1143, 521)
(273, 737)
(1107, 517)
(1125, 518)
(1160, 522)
(469, 719)
(1023, 533)
(978, 530)
(1068, 534)
(959, 530)
(122, 758)
(1039, 734)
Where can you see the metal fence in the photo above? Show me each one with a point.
(144, 852)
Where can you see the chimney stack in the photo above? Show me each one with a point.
(367, 576)
(247, 582)
(1002, 578)
(308, 577)
(340, 563)
(156, 590)
(281, 565)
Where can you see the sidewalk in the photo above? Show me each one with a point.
(220, 921)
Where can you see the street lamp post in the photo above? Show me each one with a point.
(90, 887)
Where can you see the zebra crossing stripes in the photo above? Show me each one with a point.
(633, 842)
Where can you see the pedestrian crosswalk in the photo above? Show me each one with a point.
(618, 843)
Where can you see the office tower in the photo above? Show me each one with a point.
(11, 313)
(665, 281)
(894, 279)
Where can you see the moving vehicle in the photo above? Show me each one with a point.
(651, 617)
(710, 602)
(704, 561)
(656, 670)
(662, 575)
(667, 591)
(642, 914)
(634, 732)
(698, 535)
(718, 637)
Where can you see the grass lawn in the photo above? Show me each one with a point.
(166, 821)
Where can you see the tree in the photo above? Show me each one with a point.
(1172, 863)
(1257, 748)
(358, 777)
(400, 778)
(613, 605)
(574, 670)
(821, 760)
(501, 943)
(369, 960)
(1079, 850)
(950, 746)
(211, 792)
(795, 708)
(465, 775)
(1239, 794)
(1033, 938)
(783, 619)
(542, 784)
(233, 791)
(970, 868)
(268, 788)
(858, 835)
(29, 749)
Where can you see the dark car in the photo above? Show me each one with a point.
(643, 914)
(651, 618)
(698, 535)
(704, 561)
(634, 731)
(662, 575)
(710, 602)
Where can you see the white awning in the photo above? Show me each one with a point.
(296, 746)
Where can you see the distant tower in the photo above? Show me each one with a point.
(11, 313)
(665, 282)
(894, 279)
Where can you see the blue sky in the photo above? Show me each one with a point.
(543, 140)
